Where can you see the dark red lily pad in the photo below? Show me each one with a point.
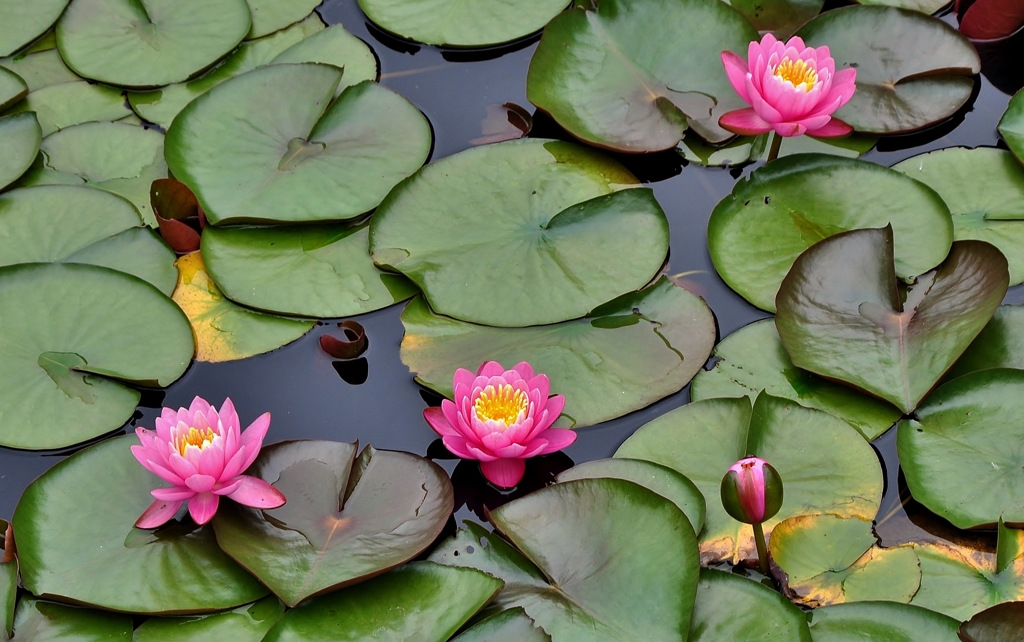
(992, 19)
(353, 345)
(178, 212)
(504, 122)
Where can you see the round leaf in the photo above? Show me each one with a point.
(148, 43)
(40, 69)
(63, 329)
(756, 233)
(270, 146)
(511, 624)
(12, 88)
(999, 345)
(346, 519)
(912, 70)
(269, 16)
(889, 621)
(781, 17)
(1011, 125)
(20, 136)
(248, 623)
(38, 620)
(66, 552)
(1001, 623)
(730, 607)
(519, 233)
(923, 6)
(622, 357)
(25, 21)
(314, 270)
(73, 103)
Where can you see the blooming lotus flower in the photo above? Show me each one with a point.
(752, 491)
(202, 452)
(500, 417)
(791, 88)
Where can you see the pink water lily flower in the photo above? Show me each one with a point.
(501, 418)
(203, 452)
(791, 88)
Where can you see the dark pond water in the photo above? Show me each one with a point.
(376, 401)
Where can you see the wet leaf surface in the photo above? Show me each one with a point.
(511, 624)
(730, 607)
(247, 623)
(889, 621)
(39, 620)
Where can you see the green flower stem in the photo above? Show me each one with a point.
(762, 549)
(773, 151)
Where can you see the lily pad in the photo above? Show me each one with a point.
(828, 560)
(622, 357)
(730, 607)
(25, 21)
(629, 584)
(701, 440)
(841, 315)
(999, 345)
(270, 146)
(912, 70)
(64, 328)
(12, 88)
(957, 452)
(149, 43)
(462, 23)
(8, 580)
(269, 16)
(984, 189)
(757, 232)
(418, 601)
(753, 359)
(1011, 125)
(511, 624)
(922, 6)
(742, 149)
(73, 103)
(39, 620)
(248, 623)
(520, 233)
(225, 331)
(781, 17)
(115, 157)
(334, 46)
(346, 520)
(20, 136)
(889, 621)
(40, 69)
(313, 270)
(1000, 623)
(108, 562)
(623, 76)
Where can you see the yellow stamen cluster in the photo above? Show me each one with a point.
(796, 73)
(198, 438)
(502, 404)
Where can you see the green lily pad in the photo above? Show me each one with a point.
(743, 149)
(64, 328)
(270, 146)
(79, 225)
(520, 233)
(40, 69)
(25, 21)
(20, 136)
(889, 621)
(337, 47)
(115, 157)
(923, 6)
(314, 270)
(462, 23)
(418, 601)
(73, 103)
(347, 518)
(225, 331)
(999, 345)
(629, 583)
(781, 17)
(511, 624)
(621, 76)
(108, 562)
(828, 560)
(1000, 623)
(39, 620)
(912, 70)
(753, 359)
(269, 16)
(149, 43)
(1011, 125)
(12, 88)
(248, 623)
(8, 581)
(730, 607)
(984, 189)
(660, 479)
(701, 440)
(757, 232)
(841, 315)
(622, 357)
(957, 454)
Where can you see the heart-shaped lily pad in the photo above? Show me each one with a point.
(622, 357)
(1011, 125)
(40, 69)
(984, 189)
(912, 70)
(269, 16)
(418, 601)
(247, 623)
(20, 136)
(623, 76)
(270, 146)
(347, 518)
(80, 225)
(889, 621)
(753, 359)
(25, 21)
(756, 233)
(148, 43)
(108, 562)
(701, 440)
(628, 583)
(462, 23)
(39, 620)
(730, 607)
(12, 88)
(314, 270)
(73, 103)
(999, 345)
(520, 233)
(842, 316)
(511, 624)
(1000, 623)
(63, 329)
(957, 452)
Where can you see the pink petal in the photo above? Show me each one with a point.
(558, 438)
(228, 415)
(490, 369)
(252, 438)
(814, 122)
(833, 129)
(789, 129)
(158, 514)
(503, 473)
(479, 453)
(173, 494)
(744, 122)
(760, 105)
(203, 506)
(512, 450)
(440, 419)
(181, 466)
(229, 487)
(233, 466)
(257, 493)
(736, 70)
(553, 410)
(199, 405)
(201, 483)
(211, 459)
(163, 473)
(495, 440)
(458, 446)
(521, 432)
(463, 377)
(524, 370)
(541, 385)
(796, 42)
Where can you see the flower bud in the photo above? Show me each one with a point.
(752, 491)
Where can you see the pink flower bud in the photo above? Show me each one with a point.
(752, 491)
